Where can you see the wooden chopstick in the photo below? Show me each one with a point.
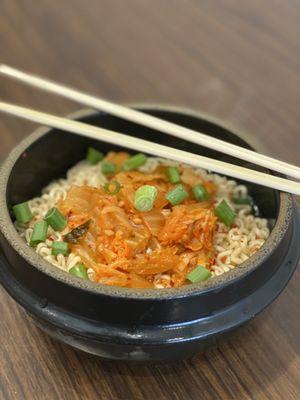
(155, 149)
(153, 122)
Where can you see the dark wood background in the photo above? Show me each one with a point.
(236, 60)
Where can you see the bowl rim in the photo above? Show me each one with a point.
(214, 284)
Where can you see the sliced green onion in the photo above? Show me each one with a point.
(177, 195)
(80, 271)
(60, 248)
(39, 233)
(225, 213)
(199, 274)
(243, 200)
(94, 156)
(145, 197)
(173, 174)
(200, 192)
(22, 213)
(56, 219)
(134, 162)
(108, 168)
(112, 187)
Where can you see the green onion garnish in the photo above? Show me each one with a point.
(80, 271)
(145, 197)
(112, 187)
(56, 219)
(199, 274)
(39, 233)
(22, 213)
(93, 156)
(243, 200)
(60, 248)
(225, 213)
(173, 174)
(177, 195)
(200, 192)
(134, 162)
(108, 168)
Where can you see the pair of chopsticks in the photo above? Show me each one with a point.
(149, 147)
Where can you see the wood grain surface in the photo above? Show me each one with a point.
(236, 60)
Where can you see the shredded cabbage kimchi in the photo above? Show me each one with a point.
(141, 249)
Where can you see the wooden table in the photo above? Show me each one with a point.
(238, 61)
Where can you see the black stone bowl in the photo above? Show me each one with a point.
(132, 324)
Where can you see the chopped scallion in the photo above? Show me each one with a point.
(225, 213)
(39, 233)
(145, 197)
(22, 213)
(112, 187)
(80, 271)
(134, 162)
(243, 200)
(93, 156)
(200, 192)
(60, 248)
(173, 174)
(108, 168)
(56, 219)
(199, 274)
(177, 195)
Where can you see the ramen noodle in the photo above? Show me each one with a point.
(158, 225)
